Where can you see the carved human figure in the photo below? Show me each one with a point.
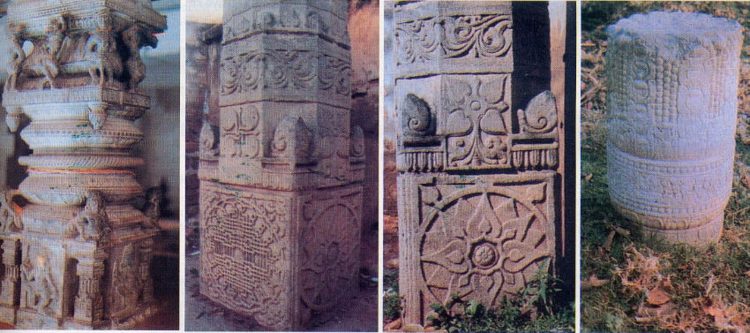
(92, 223)
(207, 140)
(10, 219)
(126, 279)
(43, 59)
(38, 289)
(17, 56)
(152, 209)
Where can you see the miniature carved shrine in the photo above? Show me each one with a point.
(281, 192)
(477, 152)
(75, 251)
(672, 107)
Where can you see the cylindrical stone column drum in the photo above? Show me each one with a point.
(672, 106)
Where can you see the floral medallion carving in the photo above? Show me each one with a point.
(483, 242)
(330, 252)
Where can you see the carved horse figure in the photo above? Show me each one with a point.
(101, 56)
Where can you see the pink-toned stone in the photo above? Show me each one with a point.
(477, 153)
(282, 169)
(74, 248)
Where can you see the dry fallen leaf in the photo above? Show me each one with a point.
(657, 296)
(733, 318)
(654, 314)
(413, 328)
(392, 326)
(710, 283)
(593, 282)
(610, 239)
(622, 231)
(588, 177)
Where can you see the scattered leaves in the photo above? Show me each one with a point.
(593, 282)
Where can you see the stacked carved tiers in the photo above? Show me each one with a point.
(281, 192)
(84, 249)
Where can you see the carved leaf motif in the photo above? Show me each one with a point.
(540, 115)
(416, 117)
(476, 127)
(416, 40)
(239, 132)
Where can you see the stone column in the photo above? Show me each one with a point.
(88, 301)
(672, 108)
(477, 188)
(11, 278)
(281, 188)
(75, 96)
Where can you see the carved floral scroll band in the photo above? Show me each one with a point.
(471, 36)
(284, 69)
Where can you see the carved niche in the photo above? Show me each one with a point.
(477, 193)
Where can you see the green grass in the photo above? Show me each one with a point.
(535, 310)
(391, 300)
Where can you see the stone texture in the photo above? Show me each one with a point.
(281, 179)
(672, 85)
(477, 151)
(76, 252)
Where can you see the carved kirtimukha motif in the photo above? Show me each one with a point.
(75, 252)
(477, 174)
(280, 204)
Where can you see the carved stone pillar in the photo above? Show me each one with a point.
(477, 188)
(281, 191)
(672, 107)
(88, 300)
(78, 88)
(11, 278)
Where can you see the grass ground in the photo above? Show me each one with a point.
(548, 314)
(631, 283)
